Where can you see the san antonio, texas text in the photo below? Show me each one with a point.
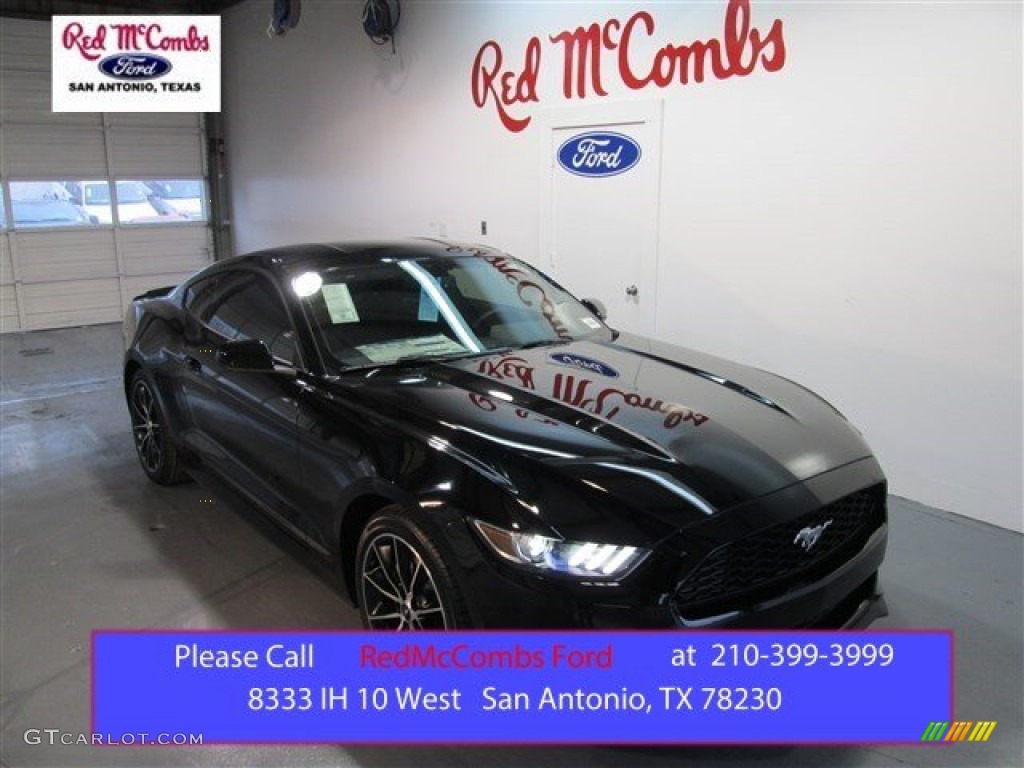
(134, 87)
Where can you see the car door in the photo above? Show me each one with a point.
(243, 423)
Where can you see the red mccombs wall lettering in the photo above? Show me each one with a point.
(509, 87)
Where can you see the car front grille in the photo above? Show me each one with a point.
(772, 560)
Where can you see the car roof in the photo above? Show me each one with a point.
(322, 255)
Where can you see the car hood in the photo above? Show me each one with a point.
(629, 415)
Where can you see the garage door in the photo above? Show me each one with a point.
(97, 207)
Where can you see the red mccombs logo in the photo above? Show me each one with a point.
(130, 37)
(136, 64)
(621, 49)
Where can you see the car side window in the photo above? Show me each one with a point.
(243, 305)
(201, 294)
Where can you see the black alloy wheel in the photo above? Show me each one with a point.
(403, 583)
(153, 443)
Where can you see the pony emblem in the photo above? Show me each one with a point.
(808, 537)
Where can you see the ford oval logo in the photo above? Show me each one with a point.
(135, 66)
(599, 153)
(585, 364)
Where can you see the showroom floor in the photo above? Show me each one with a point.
(88, 542)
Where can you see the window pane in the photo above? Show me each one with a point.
(179, 198)
(249, 308)
(48, 204)
(93, 197)
(202, 294)
(136, 204)
(3, 211)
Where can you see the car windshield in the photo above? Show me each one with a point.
(97, 193)
(39, 213)
(131, 192)
(425, 309)
(176, 190)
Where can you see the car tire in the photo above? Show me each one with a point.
(154, 444)
(402, 580)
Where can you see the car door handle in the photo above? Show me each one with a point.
(193, 364)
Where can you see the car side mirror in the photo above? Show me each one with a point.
(245, 355)
(596, 306)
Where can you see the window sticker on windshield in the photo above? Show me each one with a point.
(339, 303)
(590, 322)
(426, 346)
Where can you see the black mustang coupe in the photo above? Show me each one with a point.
(470, 446)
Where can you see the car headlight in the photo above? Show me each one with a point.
(589, 559)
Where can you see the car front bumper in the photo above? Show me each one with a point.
(847, 598)
(845, 595)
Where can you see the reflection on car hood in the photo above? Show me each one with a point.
(712, 432)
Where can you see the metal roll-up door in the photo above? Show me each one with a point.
(82, 264)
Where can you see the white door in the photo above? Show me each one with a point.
(600, 187)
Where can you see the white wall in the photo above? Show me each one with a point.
(852, 221)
